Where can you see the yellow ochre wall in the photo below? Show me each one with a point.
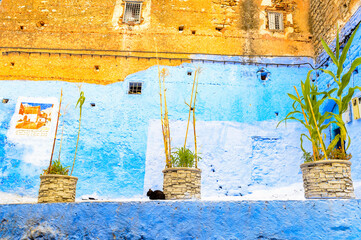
(86, 41)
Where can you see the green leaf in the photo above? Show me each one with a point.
(337, 44)
(293, 97)
(346, 77)
(333, 143)
(304, 135)
(345, 50)
(331, 74)
(329, 52)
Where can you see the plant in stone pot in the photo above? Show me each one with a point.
(327, 172)
(184, 157)
(56, 185)
(182, 177)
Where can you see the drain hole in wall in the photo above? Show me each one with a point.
(5, 100)
(92, 104)
(263, 74)
(219, 28)
(181, 28)
(189, 73)
(96, 68)
(21, 27)
(193, 32)
(12, 64)
(40, 24)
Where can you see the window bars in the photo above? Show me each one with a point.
(132, 12)
(275, 21)
(135, 88)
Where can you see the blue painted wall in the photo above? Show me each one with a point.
(113, 144)
(248, 220)
(325, 82)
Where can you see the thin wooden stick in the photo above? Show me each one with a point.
(319, 135)
(190, 108)
(56, 130)
(62, 131)
(166, 123)
(163, 117)
(194, 126)
(304, 115)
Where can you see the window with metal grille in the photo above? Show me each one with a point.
(132, 12)
(275, 21)
(135, 88)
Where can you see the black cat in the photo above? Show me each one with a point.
(155, 195)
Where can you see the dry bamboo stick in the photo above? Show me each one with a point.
(319, 135)
(166, 123)
(164, 118)
(62, 131)
(190, 108)
(194, 126)
(304, 115)
(56, 130)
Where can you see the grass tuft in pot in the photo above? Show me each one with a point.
(184, 157)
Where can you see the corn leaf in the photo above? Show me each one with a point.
(329, 52)
(344, 52)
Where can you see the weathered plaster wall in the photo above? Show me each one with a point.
(114, 137)
(230, 27)
(298, 220)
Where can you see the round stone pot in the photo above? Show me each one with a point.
(182, 183)
(57, 188)
(327, 179)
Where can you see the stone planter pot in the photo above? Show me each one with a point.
(57, 188)
(327, 179)
(182, 183)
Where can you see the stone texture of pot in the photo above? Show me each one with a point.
(182, 183)
(57, 188)
(327, 179)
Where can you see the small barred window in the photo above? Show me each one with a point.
(132, 12)
(275, 21)
(135, 88)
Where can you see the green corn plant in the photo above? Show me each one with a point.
(306, 110)
(343, 92)
(80, 102)
(184, 157)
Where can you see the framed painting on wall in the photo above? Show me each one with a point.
(34, 117)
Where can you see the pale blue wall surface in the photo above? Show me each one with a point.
(113, 143)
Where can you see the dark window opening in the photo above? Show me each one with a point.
(335, 133)
(181, 28)
(189, 73)
(5, 100)
(96, 67)
(135, 88)
(12, 64)
(92, 104)
(193, 31)
(132, 12)
(21, 27)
